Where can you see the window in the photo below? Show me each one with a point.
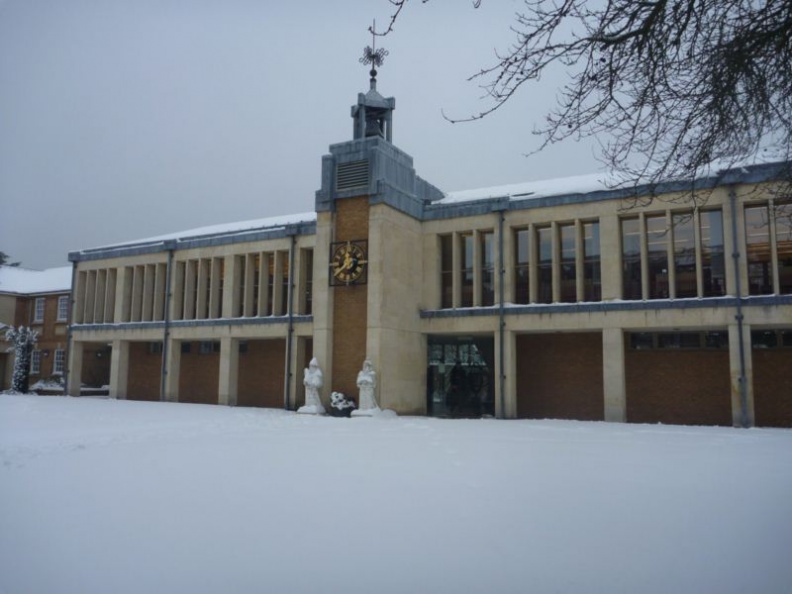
(657, 256)
(684, 255)
(208, 346)
(673, 262)
(38, 311)
(568, 289)
(467, 269)
(713, 264)
(771, 339)
(783, 221)
(592, 280)
(642, 341)
(757, 240)
(308, 287)
(544, 251)
(446, 271)
(35, 362)
(521, 266)
(59, 364)
(63, 308)
(487, 240)
(631, 258)
(155, 348)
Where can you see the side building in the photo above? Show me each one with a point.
(564, 299)
(41, 299)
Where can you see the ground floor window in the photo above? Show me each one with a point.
(460, 380)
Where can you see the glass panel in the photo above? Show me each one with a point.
(592, 281)
(657, 254)
(446, 272)
(684, 255)
(568, 293)
(786, 338)
(462, 384)
(757, 239)
(713, 263)
(545, 276)
(764, 339)
(716, 340)
(679, 340)
(467, 270)
(631, 259)
(783, 220)
(521, 242)
(284, 304)
(487, 268)
(641, 341)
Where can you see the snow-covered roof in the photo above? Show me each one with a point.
(269, 223)
(24, 281)
(580, 184)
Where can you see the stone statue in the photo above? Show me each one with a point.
(366, 383)
(312, 380)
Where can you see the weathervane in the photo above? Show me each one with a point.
(372, 55)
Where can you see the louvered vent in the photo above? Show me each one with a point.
(352, 175)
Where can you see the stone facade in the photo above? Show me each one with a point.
(519, 302)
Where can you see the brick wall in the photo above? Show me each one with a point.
(350, 309)
(145, 370)
(683, 387)
(559, 376)
(772, 383)
(261, 374)
(199, 376)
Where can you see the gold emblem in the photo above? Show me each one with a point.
(348, 262)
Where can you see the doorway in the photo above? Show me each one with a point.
(460, 381)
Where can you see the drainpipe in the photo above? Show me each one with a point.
(501, 307)
(69, 336)
(742, 380)
(290, 331)
(166, 332)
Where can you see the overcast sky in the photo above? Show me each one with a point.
(124, 119)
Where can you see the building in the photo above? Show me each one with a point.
(527, 301)
(39, 299)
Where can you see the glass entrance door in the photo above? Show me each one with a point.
(460, 380)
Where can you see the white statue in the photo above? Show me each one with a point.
(312, 380)
(366, 383)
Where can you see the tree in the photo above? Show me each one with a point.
(22, 340)
(4, 260)
(678, 87)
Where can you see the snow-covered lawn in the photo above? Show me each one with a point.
(112, 497)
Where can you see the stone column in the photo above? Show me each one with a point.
(75, 368)
(614, 383)
(119, 369)
(229, 371)
(172, 365)
(735, 372)
(507, 407)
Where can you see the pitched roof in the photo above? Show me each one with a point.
(24, 281)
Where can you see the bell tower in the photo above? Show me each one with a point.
(373, 114)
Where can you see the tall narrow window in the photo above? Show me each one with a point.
(446, 272)
(256, 284)
(568, 267)
(657, 254)
(521, 265)
(63, 308)
(59, 364)
(592, 279)
(467, 269)
(308, 287)
(487, 268)
(38, 310)
(757, 239)
(35, 362)
(631, 258)
(269, 263)
(684, 255)
(285, 280)
(783, 218)
(713, 264)
(544, 251)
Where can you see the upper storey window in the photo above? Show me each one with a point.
(673, 255)
(768, 239)
(38, 310)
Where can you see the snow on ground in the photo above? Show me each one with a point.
(101, 496)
